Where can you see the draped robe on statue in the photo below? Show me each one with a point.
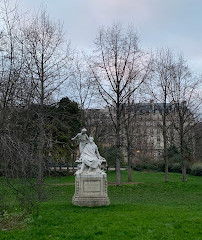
(90, 155)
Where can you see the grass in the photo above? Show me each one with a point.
(152, 210)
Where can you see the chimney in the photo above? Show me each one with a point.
(152, 104)
(184, 103)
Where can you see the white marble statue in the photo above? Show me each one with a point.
(90, 159)
(90, 179)
(83, 139)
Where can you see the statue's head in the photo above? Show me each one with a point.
(83, 130)
(91, 139)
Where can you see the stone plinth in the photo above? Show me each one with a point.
(91, 190)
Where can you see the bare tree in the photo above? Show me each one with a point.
(160, 90)
(18, 166)
(185, 92)
(11, 60)
(82, 87)
(129, 130)
(47, 58)
(34, 65)
(15, 159)
(129, 127)
(118, 62)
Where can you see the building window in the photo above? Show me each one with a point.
(158, 124)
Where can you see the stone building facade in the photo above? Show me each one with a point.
(145, 128)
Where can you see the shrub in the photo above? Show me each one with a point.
(160, 165)
(15, 220)
(176, 167)
(109, 153)
(139, 166)
(196, 169)
(3, 200)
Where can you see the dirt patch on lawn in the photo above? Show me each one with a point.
(14, 221)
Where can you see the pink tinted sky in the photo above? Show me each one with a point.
(176, 24)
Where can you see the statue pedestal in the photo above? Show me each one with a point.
(91, 190)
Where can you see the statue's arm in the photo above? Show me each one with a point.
(75, 137)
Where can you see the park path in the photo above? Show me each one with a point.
(110, 183)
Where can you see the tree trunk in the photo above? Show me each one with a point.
(184, 174)
(129, 168)
(166, 169)
(165, 155)
(182, 148)
(118, 154)
(41, 127)
(67, 167)
(118, 145)
(40, 151)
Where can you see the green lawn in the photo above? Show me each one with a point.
(150, 210)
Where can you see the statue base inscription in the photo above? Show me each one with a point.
(91, 190)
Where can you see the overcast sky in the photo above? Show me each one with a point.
(176, 24)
